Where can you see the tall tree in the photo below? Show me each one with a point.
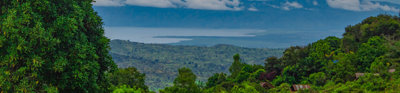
(216, 79)
(128, 76)
(50, 45)
(236, 66)
(183, 83)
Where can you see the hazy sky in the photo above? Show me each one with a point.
(306, 20)
(294, 14)
(237, 5)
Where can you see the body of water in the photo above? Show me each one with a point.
(253, 38)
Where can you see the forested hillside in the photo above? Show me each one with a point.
(51, 46)
(160, 62)
(365, 60)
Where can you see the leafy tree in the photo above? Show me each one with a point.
(236, 66)
(289, 75)
(183, 83)
(216, 89)
(256, 75)
(282, 88)
(379, 66)
(244, 87)
(293, 55)
(243, 75)
(344, 69)
(320, 55)
(216, 79)
(129, 77)
(369, 51)
(126, 89)
(318, 78)
(372, 82)
(52, 44)
(273, 64)
(371, 48)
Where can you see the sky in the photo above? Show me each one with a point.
(237, 5)
(241, 13)
(321, 18)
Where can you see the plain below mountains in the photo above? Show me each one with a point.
(160, 62)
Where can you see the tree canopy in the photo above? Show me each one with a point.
(366, 59)
(52, 45)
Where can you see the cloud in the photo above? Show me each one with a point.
(108, 3)
(252, 9)
(390, 1)
(151, 3)
(213, 4)
(290, 5)
(287, 5)
(357, 5)
(192, 4)
(315, 3)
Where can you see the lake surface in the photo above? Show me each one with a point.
(253, 38)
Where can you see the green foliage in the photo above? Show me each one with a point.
(256, 74)
(369, 51)
(129, 77)
(372, 82)
(382, 25)
(379, 66)
(289, 75)
(184, 83)
(216, 89)
(216, 79)
(244, 88)
(236, 66)
(282, 88)
(344, 69)
(273, 64)
(126, 89)
(318, 79)
(242, 76)
(52, 45)
(159, 62)
(328, 65)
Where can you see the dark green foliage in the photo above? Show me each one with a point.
(216, 79)
(52, 45)
(382, 25)
(245, 87)
(370, 49)
(126, 89)
(159, 62)
(283, 88)
(289, 75)
(236, 66)
(183, 83)
(129, 77)
(318, 79)
(345, 68)
(273, 64)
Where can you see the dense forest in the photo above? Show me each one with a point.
(52, 45)
(59, 46)
(364, 60)
(160, 62)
